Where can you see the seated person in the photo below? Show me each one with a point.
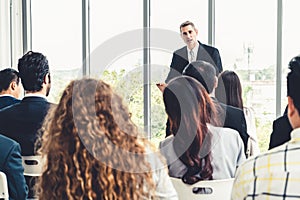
(11, 165)
(198, 149)
(275, 173)
(281, 131)
(229, 92)
(10, 87)
(93, 150)
(229, 116)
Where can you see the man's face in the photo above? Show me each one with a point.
(189, 36)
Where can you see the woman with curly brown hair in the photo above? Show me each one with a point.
(93, 150)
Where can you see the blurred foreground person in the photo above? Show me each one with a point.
(275, 173)
(93, 150)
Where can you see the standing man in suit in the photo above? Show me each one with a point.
(22, 121)
(194, 50)
(10, 87)
(229, 116)
(11, 165)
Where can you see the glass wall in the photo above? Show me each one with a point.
(116, 50)
(291, 40)
(245, 34)
(11, 33)
(57, 33)
(166, 17)
(246, 38)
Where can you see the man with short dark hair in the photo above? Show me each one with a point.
(22, 121)
(10, 87)
(194, 50)
(275, 173)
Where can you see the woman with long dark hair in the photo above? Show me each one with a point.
(229, 91)
(198, 149)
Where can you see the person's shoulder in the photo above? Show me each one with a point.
(180, 51)
(6, 142)
(231, 108)
(166, 141)
(207, 47)
(223, 131)
(281, 119)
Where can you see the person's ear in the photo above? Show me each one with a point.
(13, 85)
(47, 78)
(291, 107)
(216, 82)
(196, 30)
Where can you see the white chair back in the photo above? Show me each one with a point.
(208, 190)
(3, 187)
(33, 165)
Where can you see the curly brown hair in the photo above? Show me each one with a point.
(92, 149)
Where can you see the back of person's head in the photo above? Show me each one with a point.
(229, 89)
(189, 109)
(33, 67)
(293, 81)
(204, 72)
(92, 147)
(186, 23)
(7, 76)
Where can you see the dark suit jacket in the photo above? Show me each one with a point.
(205, 53)
(11, 165)
(281, 132)
(21, 121)
(230, 117)
(7, 101)
(235, 119)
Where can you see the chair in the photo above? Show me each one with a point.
(33, 165)
(208, 190)
(3, 187)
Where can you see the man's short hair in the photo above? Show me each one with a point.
(33, 67)
(186, 23)
(293, 81)
(7, 76)
(204, 72)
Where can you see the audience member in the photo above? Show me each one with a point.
(11, 165)
(229, 91)
(194, 50)
(275, 173)
(93, 150)
(229, 116)
(198, 149)
(281, 130)
(10, 87)
(22, 121)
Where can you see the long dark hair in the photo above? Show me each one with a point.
(229, 90)
(190, 108)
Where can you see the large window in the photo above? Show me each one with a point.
(291, 40)
(116, 50)
(246, 38)
(56, 32)
(166, 17)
